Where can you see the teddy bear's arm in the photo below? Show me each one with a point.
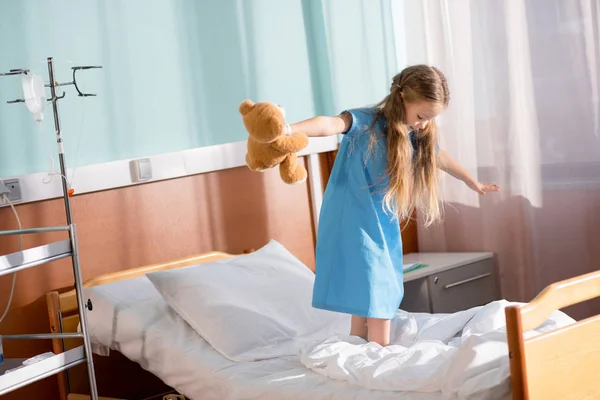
(291, 143)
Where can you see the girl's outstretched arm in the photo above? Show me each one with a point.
(323, 126)
(453, 168)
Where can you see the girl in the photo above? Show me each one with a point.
(385, 167)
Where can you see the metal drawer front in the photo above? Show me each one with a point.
(463, 287)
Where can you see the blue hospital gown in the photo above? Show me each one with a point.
(359, 245)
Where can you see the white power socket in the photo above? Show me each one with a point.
(14, 186)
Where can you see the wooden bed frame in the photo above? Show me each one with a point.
(63, 316)
(562, 364)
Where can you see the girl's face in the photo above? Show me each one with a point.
(419, 113)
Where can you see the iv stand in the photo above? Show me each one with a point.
(70, 227)
(75, 258)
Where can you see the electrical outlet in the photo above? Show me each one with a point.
(14, 185)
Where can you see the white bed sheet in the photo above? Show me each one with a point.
(132, 318)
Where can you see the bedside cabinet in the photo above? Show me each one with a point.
(451, 282)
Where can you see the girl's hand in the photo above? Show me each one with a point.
(452, 167)
(482, 187)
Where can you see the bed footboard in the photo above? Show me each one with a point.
(562, 364)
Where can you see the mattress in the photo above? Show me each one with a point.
(131, 317)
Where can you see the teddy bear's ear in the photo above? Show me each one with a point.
(246, 106)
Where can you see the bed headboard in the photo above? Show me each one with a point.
(64, 317)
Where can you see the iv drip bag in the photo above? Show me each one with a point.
(34, 94)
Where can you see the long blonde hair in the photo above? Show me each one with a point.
(405, 171)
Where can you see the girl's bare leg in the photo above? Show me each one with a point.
(379, 331)
(359, 327)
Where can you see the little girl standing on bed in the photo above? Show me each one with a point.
(386, 166)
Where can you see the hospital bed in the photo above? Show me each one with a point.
(560, 364)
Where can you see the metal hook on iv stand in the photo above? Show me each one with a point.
(74, 81)
(15, 72)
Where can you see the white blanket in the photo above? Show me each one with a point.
(462, 355)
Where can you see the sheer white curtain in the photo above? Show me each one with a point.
(523, 114)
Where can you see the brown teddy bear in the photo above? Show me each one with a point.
(268, 145)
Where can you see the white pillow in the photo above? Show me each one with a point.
(251, 307)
